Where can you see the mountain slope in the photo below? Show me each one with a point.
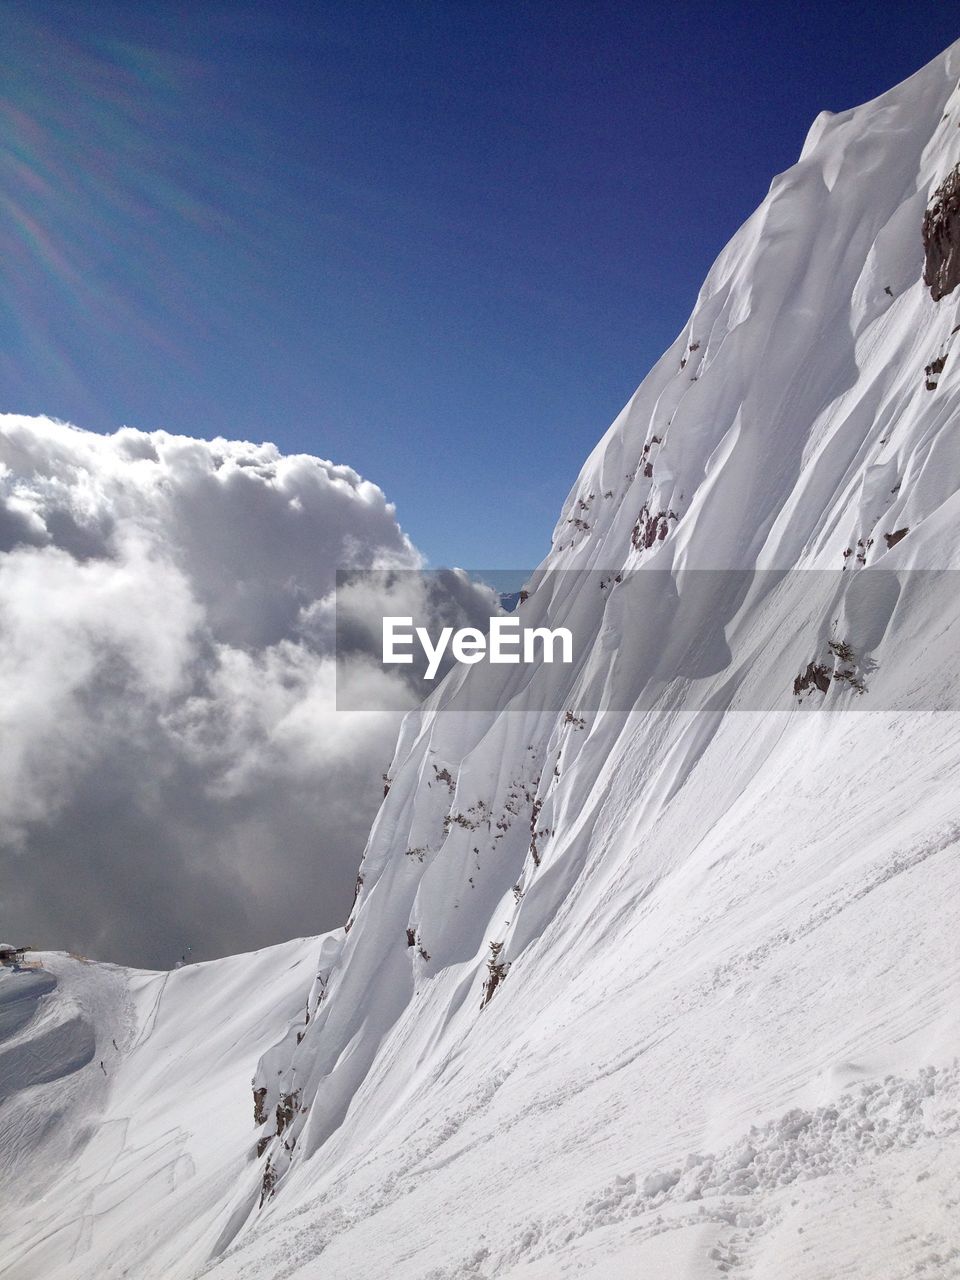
(713, 924)
(125, 1113)
(725, 918)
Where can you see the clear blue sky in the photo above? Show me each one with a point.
(441, 242)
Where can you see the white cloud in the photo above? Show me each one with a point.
(172, 770)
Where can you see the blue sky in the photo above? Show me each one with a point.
(441, 242)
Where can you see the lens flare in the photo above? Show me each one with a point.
(119, 194)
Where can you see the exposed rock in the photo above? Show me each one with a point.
(651, 528)
(816, 675)
(847, 675)
(268, 1183)
(941, 238)
(287, 1109)
(894, 538)
(536, 833)
(496, 972)
(446, 777)
(259, 1110)
(933, 371)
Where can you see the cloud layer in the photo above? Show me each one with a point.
(172, 771)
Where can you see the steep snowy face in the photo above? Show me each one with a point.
(653, 966)
(612, 938)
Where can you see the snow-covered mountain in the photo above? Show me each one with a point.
(653, 968)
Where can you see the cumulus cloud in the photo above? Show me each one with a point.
(173, 772)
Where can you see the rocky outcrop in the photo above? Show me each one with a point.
(496, 972)
(259, 1106)
(651, 527)
(941, 238)
(933, 371)
(815, 676)
(287, 1109)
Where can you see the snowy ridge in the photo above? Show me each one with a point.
(589, 945)
(790, 426)
(120, 1125)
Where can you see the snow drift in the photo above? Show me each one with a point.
(669, 991)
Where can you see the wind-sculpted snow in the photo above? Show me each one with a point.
(51, 1050)
(633, 914)
(790, 427)
(124, 1128)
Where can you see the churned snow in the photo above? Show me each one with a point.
(713, 925)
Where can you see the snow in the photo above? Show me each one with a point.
(134, 1088)
(725, 1040)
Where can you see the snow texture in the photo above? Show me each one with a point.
(722, 1037)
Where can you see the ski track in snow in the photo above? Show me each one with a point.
(139, 1124)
